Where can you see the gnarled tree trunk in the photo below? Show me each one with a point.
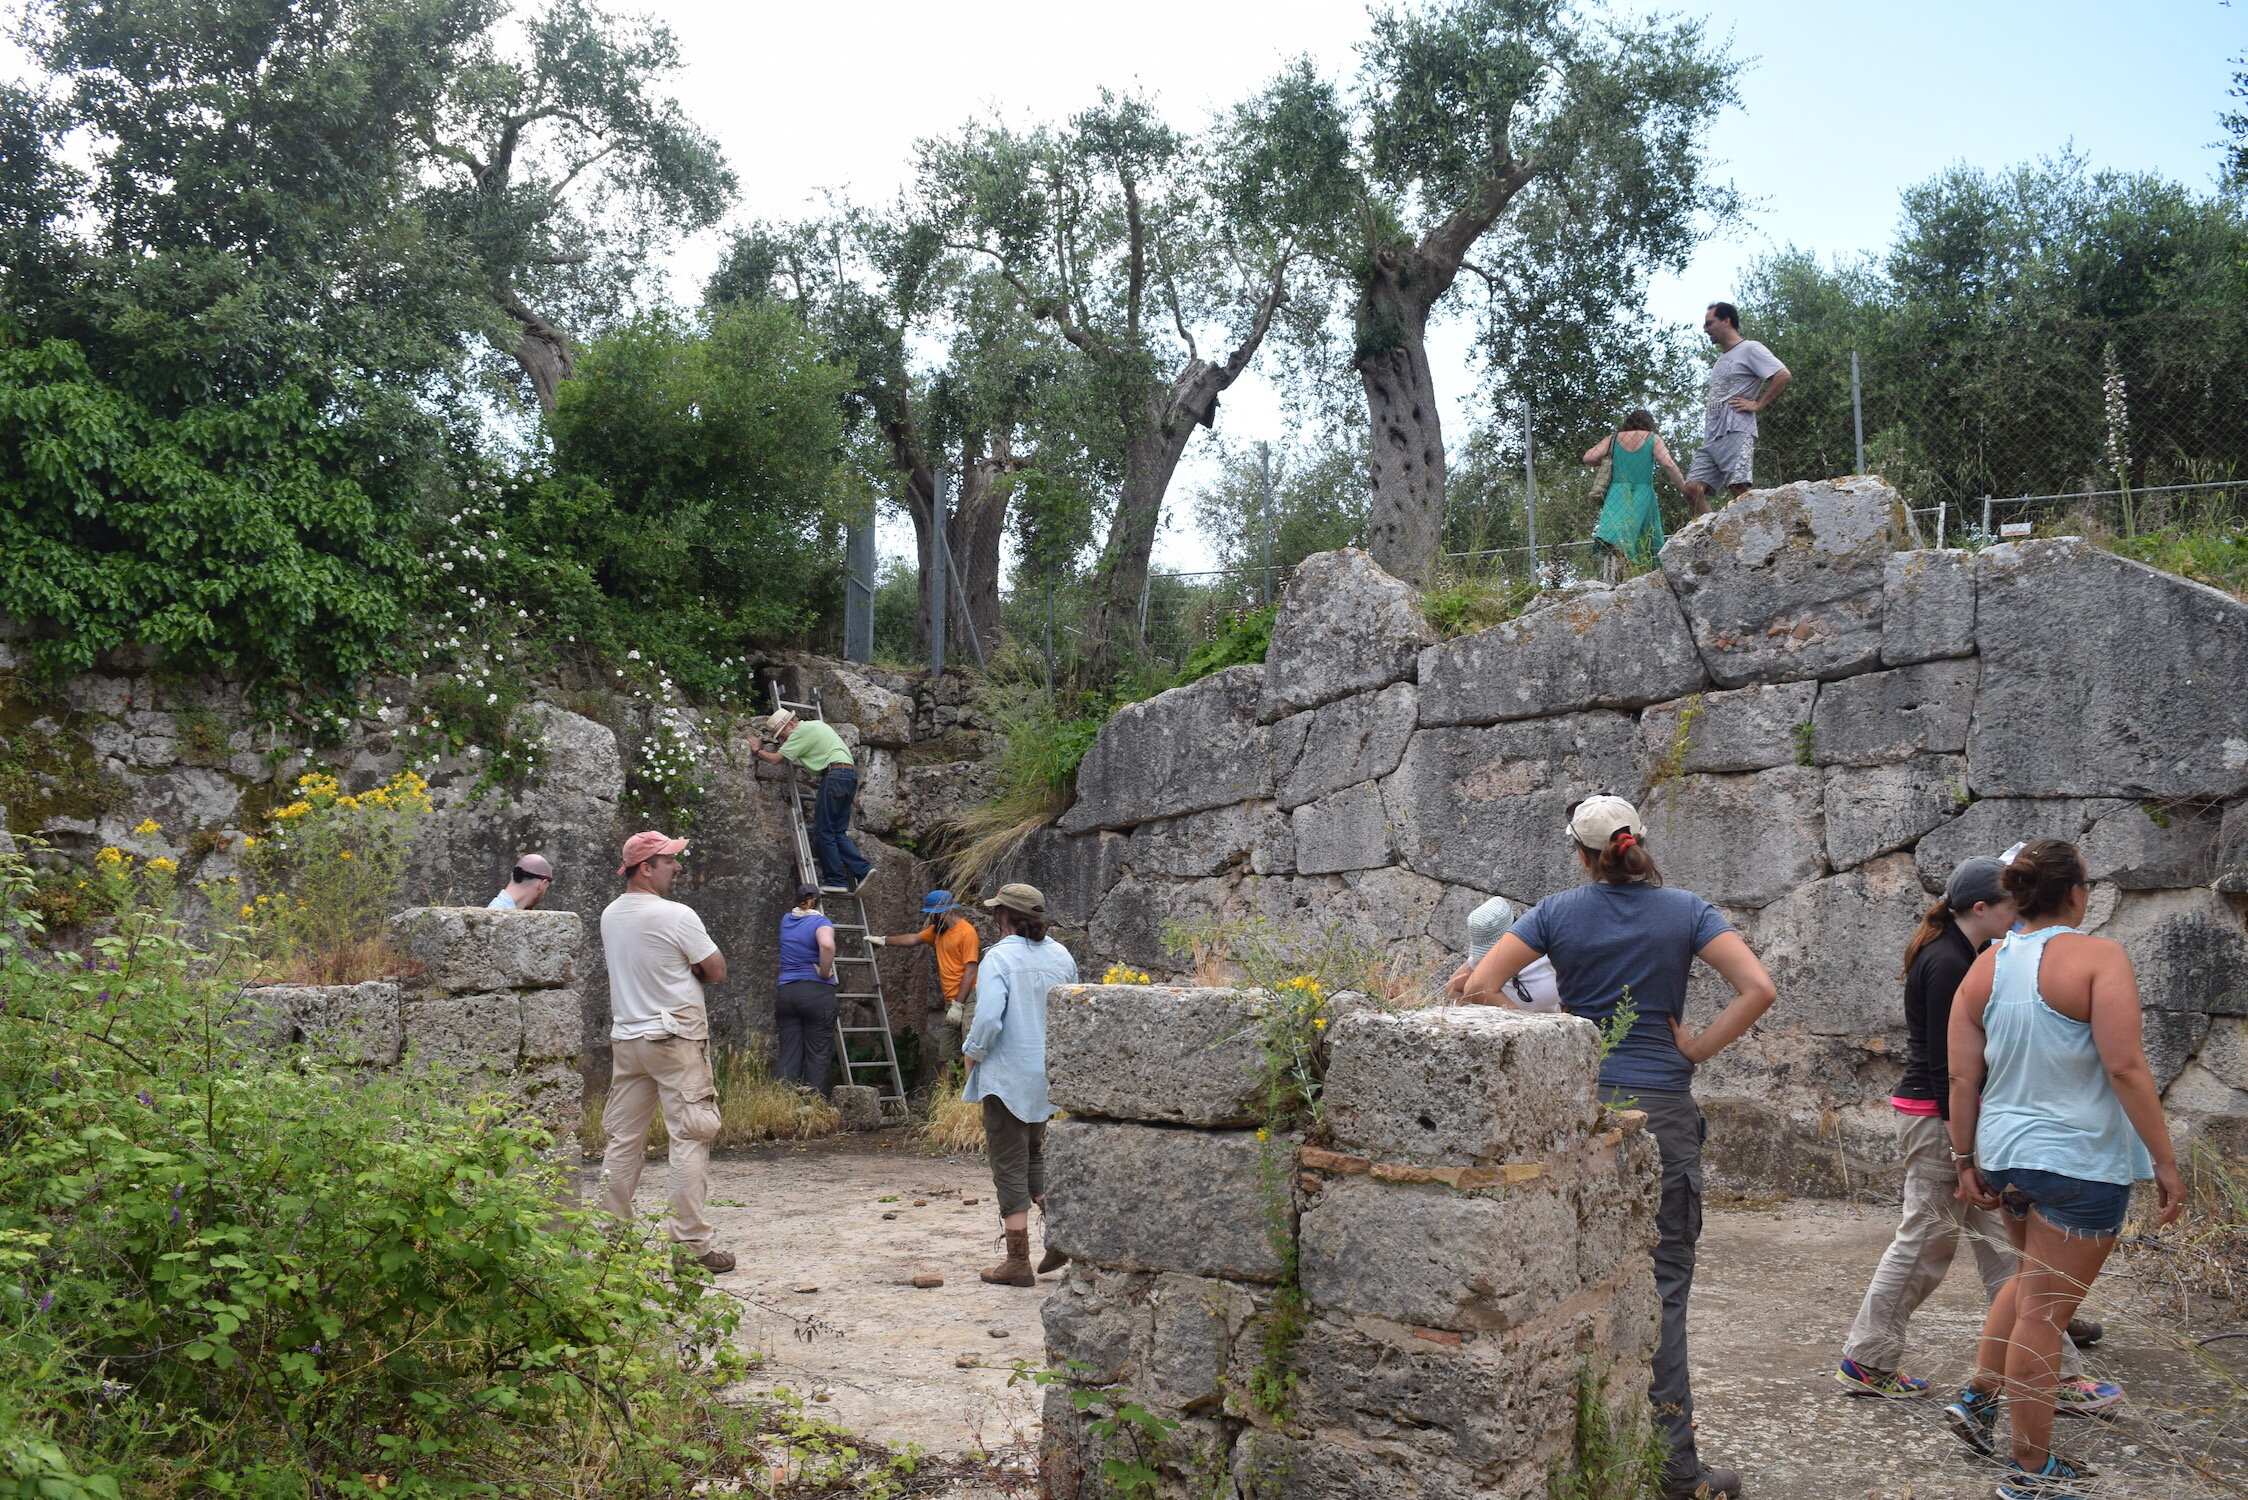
(542, 349)
(1404, 522)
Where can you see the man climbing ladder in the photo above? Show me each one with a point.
(820, 752)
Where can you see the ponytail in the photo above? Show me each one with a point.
(1625, 861)
(1934, 922)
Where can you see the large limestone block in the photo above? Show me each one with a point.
(1248, 835)
(1740, 840)
(1346, 830)
(1745, 729)
(1073, 871)
(1995, 824)
(1154, 1198)
(1485, 807)
(880, 704)
(1883, 717)
(1927, 606)
(1344, 626)
(1787, 584)
(2152, 846)
(2187, 948)
(1354, 739)
(1156, 1053)
(2232, 850)
(2105, 677)
(553, 1024)
(1194, 747)
(1097, 1323)
(1134, 917)
(469, 948)
(1833, 949)
(1436, 1258)
(1460, 1085)
(1880, 809)
(576, 755)
(356, 1025)
(1448, 923)
(465, 1031)
(1592, 645)
(2172, 1038)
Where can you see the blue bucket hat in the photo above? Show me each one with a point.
(937, 901)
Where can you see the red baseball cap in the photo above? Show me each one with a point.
(646, 846)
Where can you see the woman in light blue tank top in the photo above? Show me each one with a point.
(2054, 1114)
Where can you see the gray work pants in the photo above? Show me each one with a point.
(1928, 1236)
(1676, 1123)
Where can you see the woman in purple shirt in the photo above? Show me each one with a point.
(804, 1009)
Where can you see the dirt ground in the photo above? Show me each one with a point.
(826, 1280)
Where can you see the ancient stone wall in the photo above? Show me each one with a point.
(491, 999)
(1403, 1309)
(128, 742)
(1818, 724)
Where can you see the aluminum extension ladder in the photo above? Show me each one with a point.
(860, 1011)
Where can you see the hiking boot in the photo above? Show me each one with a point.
(716, 1262)
(1863, 1380)
(2058, 1480)
(1015, 1269)
(1973, 1419)
(2085, 1397)
(1710, 1484)
(2085, 1332)
(1052, 1260)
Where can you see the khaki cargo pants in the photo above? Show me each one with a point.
(675, 1073)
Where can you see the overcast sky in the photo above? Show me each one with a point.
(1845, 104)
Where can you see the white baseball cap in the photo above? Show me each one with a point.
(1596, 820)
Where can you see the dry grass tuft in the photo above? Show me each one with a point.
(954, 1126)
(752, 1106)
(353, 963)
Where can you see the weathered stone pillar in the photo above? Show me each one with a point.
(494, 998)
(1399, 1300)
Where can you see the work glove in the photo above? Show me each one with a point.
(954, 1015)
(875, 940)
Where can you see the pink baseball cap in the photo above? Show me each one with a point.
(646, 846)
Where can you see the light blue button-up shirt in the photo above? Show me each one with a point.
(1007, 1042)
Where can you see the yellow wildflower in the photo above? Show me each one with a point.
(1263, 1134)
(110, 855)
(148, 826)
(249, 911)
(343, 854)
(1319, 1023)
(161, 863)
(293, 810)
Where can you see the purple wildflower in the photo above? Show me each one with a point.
(46, 1302)
(144, 1098)
(315, 1349)
(104, 997)
(175, 1192)
(175, 1216)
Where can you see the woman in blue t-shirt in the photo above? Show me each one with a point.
(804, 1009)
(1625, 942)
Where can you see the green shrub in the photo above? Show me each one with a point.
(225, 1273)
(1245, 639)
(328, 868)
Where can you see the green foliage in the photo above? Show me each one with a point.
(1619, 1023)
(235, 535)
(1116, 1424)
(1315, 502)
(1984, 334)
(1806, 736)
(1672, 765)
(1245, 639)
(2215, 553)
(1615, 1452)
(238, 1275)
(328, 866)
(1036, 775)
(1468, 602)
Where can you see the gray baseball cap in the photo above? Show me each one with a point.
(1974, 880)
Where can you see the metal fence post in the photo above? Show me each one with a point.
(1943, 507)
(1264, 488)
(1986, 516)
(1857, 412)
(1049, 637)
(858, 593)
(937, 588)
(960, 601)
(1529, 489)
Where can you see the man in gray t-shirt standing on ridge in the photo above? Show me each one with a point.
(1746, 378)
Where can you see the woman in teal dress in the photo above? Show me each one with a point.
(1631, 522)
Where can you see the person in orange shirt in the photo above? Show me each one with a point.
(958, 946)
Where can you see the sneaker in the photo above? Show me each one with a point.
(834, 888)
(2085, 1332)
(2056, 1481)
(1973, 1418)
(2085, 1397)
(1710, 1484)
(1861, 1380)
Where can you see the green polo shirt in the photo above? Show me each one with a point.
(815, 747)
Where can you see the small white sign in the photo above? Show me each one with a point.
(2014, 528)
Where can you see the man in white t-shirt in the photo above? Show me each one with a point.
(659, 959)
(1534, 988)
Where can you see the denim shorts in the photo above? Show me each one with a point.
(2090, 1210)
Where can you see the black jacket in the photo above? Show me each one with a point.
(1929, 985)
